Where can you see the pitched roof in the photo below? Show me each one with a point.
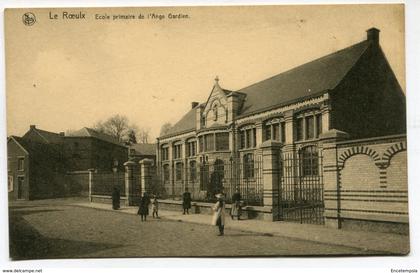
(308, 79)
(89, 132)
(35, 148)
(185, 124)
(144, 148)
(48, 137)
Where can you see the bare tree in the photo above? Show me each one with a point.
(116, 126)
(144, 135)
(165, 128)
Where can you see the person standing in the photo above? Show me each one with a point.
(219, 214)
(236, 205)
(116, 198)
(186, 202)
(155, 207)
(144, 207)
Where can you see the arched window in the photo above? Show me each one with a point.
(309, 161)
(215, 114)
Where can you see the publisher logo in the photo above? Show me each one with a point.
(29, 19)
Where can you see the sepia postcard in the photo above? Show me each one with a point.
(206, 131)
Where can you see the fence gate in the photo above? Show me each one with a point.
(301, 187)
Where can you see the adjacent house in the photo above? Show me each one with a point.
(89, 149)
(140, 151)
(38, 158)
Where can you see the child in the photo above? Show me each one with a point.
(155, 207)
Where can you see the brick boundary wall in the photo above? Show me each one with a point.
(366, 184)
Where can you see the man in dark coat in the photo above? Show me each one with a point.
(115, 198)
(186, 201)
(144, 207)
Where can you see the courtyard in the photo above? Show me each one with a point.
(57, 229)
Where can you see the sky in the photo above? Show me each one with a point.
(64, 74)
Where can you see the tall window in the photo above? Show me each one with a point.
(222, 141)
(21, 163)
(215, 116)
(272, 130)
(178, 171)
(248, 166)
(193, 171)
(309, 161)
(165, 153)
(283, 131)
(10, 183)
(191, 148)
(299, 129)
(177, 151)
(209, 142)
(248, 138)
(166, 173)
(309, 127)
(201, 143)
(318, 125)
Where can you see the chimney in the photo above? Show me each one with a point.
(373, 35)
(31, 127)
(194, 104)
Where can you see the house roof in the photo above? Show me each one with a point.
(89, 132)
(35, 148)
(306, 80)
(312, 78)
(144, 148)
(185, 124)
(48, 137)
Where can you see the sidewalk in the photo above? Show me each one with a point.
(384, 242)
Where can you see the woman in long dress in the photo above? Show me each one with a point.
(219, 214)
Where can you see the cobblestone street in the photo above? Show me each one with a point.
(59, 230)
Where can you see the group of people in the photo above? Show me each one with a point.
(218, 209)
(144, 203)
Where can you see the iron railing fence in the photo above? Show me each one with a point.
(301, 197)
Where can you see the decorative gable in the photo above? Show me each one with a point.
(216, 109)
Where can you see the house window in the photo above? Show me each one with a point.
(299, 129)
(222, 141)
(248, 138)
(318, 125)
(309, 127)
(193, 171)
(165, 153)
(201, 143)
(21, 163)
(272, 130)
(283, 132)
(309, 161)
(248, 166)
(267, 130)
(166, 173)
(209, 142)
(178, 171)
(10, 183)
(177, 151)
(191, 148)
(215, 112)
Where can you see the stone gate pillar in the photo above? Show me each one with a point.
(330, 174)
(271, 177)
(129, 183)
(91, 171)
(146, 175)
